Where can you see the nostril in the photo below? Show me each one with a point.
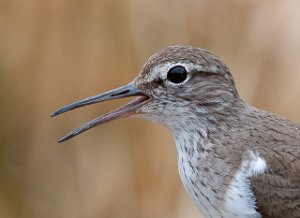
(120, 93)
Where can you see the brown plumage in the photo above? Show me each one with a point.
(234, 160)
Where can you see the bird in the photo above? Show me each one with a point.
(234, 159)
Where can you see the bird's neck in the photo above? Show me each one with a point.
(194, 152)
(203, 171)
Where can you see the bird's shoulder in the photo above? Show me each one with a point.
(277, 140)
(277, 191)
(276, 196)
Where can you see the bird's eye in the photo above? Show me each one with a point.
(177, 74)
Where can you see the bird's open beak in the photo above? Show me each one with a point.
(123, 111)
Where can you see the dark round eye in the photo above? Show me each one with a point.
(177, 74)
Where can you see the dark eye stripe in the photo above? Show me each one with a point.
(157, 82)
(204, 73)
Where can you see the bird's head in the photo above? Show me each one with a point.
(177, 83)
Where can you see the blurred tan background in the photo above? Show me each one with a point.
(55, 52)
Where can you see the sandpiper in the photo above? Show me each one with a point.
(234, 160)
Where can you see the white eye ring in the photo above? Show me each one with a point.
(164, 69)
